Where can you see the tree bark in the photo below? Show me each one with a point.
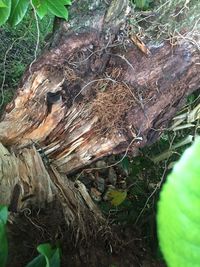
(110, 81)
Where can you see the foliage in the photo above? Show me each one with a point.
(143, 4)
(14, 11)
(3, 236)
(137, 211)
(144, 178)
(17, 51)
(5, 8)
(116, 197)
(178, 211)
(49, 257)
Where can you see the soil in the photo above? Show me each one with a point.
(119, 244)
(27, 230)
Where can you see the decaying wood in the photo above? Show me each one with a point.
(91, 94)
(26, 181)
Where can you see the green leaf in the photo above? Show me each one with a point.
(49, 257)
(41, 7)
(67, 2)
(4, 11)
(58, 8)
(178, 217)
(126, 165)
(52, 256)
(3, 245)
(3, 4)
(142, 4)
(18, 11)
(3, 236)
(3, 214)
(38, 261)
(46, 251)
(117, 196)
(55, 259)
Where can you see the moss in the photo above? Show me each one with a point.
(85, 11)
(168, 19)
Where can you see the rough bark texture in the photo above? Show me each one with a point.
(97, 90)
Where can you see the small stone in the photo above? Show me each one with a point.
(112, 176)
(106, 195)
(95, 194)
(101, 164)
(122, 184)
(91, 47)
(100, 184)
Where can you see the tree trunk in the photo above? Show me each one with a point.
(110, 81)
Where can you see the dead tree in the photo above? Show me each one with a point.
(109, 81)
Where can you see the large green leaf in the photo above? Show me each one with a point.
(58, 8)
(41, 7)
(3, 214)
(3, 4)
(178, 217)
(5, 7)
(67, 2)
(18, 11)
(3, 236)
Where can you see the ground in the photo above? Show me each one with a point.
(128, 241)
(26, 233)
(133, 240)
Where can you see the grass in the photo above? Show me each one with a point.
(17, 51)
(144, 180)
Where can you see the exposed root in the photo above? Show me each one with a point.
(81, 214)
(70, 74)
(112, 102)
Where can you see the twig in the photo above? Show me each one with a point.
(38, 37)
(152, 193)
(157, 186)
